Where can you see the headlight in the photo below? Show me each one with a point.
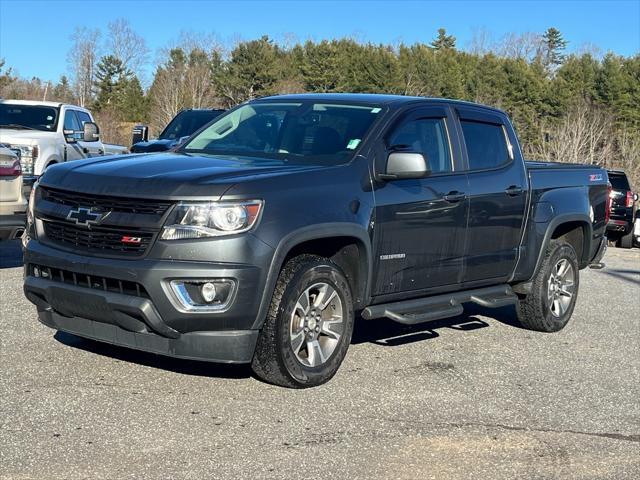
(30, 231)
(28, 156)
(212, 219)
(32, 199)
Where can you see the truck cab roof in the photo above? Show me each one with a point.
(42, 103)
(377, 98)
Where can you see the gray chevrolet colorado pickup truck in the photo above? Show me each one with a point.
(261, 238)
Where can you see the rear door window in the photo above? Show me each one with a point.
(486, 144)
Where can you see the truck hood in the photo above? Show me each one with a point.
(163, 175)
(24, 137)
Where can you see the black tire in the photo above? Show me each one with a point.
(274, 360)
(626, 241)
(535, 309)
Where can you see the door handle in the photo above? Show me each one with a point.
(85, 150)
(453, 197)
(513, 190)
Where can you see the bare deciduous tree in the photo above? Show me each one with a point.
(82, 60)
(167, 98)
(481, 42)
(585, 135)
(126, 45)
(628, 158)
(525, 46)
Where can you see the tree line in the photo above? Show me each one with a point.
(579, 107)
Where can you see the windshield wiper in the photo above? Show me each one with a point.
(17, 125)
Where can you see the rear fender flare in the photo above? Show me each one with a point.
(551, 227)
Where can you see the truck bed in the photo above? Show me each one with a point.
(539, 164)
(546, 175)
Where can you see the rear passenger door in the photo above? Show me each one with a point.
(420, 224)
(497, 195)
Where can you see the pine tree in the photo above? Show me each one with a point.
(5, 77)
(252, 71)
(444, 41)
(132, 104)
(553, 46)
(111, 78)
(62, 91)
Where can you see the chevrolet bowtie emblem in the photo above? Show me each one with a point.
(84, 216)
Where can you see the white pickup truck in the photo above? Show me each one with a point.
(46, 133)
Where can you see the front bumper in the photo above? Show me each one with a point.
(222, 347)
(76, 297)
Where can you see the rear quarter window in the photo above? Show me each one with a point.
(486, 145)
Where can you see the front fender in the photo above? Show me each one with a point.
(304, 234)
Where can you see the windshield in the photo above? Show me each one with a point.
(305, 132)
(28, 117)
(187, 122)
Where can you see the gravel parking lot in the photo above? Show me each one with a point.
(470, 397)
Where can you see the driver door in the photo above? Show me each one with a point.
(89, 149)
(72, 133)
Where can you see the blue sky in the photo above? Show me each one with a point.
(35, 35)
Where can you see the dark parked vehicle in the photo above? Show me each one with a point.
(181, 127)
(260, 239)
(623, 209)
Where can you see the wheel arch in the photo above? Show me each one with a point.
(347, 245)
(576, 229)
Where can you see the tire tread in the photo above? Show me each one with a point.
(530, 309)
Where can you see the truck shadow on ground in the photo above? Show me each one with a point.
(388, 333)
(381, 332)
(630, 276)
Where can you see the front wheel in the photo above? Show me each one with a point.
(309, 325)
(549, 305)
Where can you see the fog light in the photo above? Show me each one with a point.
(208, 291)
(210, 295)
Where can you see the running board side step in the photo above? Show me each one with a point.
(419, 310)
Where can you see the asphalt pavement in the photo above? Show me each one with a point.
(471, 397)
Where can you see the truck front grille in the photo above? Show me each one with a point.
(95, 282)
(99, 240)
(104, 203)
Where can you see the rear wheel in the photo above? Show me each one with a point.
(308, 328)
(550, 304)
(626, 241)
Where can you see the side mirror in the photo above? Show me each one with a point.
(635, 197)
(90, 132)
(402, 165)
(140, 133)
(69, 136)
